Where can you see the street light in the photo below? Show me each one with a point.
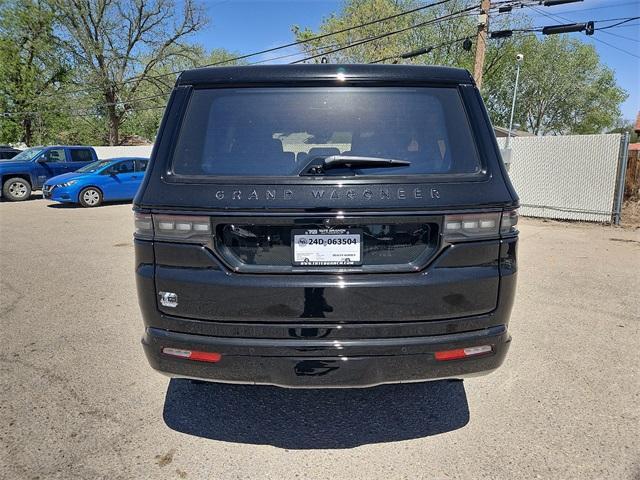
(519, 59)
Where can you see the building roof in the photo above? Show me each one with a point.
(637, 126)
(634, 147)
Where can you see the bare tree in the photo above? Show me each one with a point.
(116, 44)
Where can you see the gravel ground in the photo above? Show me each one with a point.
(78, 400)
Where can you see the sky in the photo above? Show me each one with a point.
(247, 26)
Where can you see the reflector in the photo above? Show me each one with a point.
(462, 352)
(198, 356)
(477, 350)
(176, 352)
(205, 356)
(450, 354)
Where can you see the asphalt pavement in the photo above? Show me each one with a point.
(78, 400)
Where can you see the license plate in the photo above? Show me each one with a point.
(327, 247)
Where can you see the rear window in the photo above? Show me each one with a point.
(142, 165)
(81, 155)
(278, 131)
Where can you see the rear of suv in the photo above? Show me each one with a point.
(325, 226)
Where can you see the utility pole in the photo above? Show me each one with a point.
(481, 40)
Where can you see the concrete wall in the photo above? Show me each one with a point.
(134, 151)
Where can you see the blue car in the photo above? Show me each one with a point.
(101, 181)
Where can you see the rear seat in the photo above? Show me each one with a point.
(261, 158)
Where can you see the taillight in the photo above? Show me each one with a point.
(462, 352)
(211, 357)
(143, 226)
(471, 226)
(181, 227)
(509, 222)
(187, 228)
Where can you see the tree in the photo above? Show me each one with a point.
(563, 87)
(623, 125)
(116, 46)
(31, 65)
(143, 118)
(356, 12)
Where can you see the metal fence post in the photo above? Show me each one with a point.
(622, 174)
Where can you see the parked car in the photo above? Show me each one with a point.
(28, 170)
(326, 226)
(101, 181)
(7, 152)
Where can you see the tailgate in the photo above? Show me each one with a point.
(433, 283)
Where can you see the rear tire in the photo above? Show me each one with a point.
(16, 189)
(90, 197)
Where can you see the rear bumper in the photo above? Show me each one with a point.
(326, 363)
(378, 332)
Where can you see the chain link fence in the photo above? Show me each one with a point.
(571, 177)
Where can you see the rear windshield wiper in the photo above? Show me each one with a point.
(318, 165)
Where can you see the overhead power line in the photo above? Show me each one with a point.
(388, 34)
(619, 23)
(279, 47)
(269, 50)
(421, 51)
(323, 53)
(609, 6)
(553, 3)
(587, 27)
(560, 17)
(628, 25)
(335, 48)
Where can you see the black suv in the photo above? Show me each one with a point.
(325, 225)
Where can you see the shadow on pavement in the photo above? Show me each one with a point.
(315, 419)
(63, 205)
(77, 205)
(33, 196)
